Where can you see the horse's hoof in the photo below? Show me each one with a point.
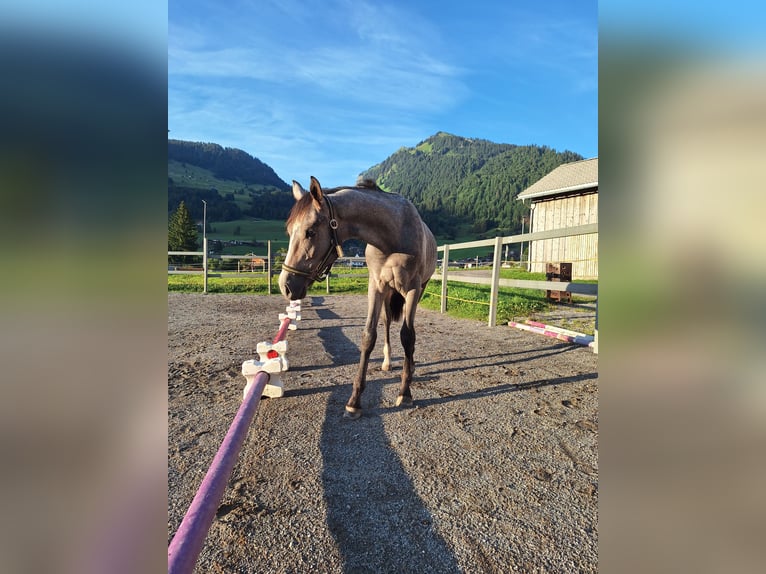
(385, 367)
(352, 413)
(403, 401)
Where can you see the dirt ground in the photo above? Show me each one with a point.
(495, 468)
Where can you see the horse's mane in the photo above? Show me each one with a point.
(361, 183)
(367, 183)
(304, 203)
(300, 208)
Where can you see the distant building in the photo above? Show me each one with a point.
(566, 197)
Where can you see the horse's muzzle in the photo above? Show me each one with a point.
(293, 287)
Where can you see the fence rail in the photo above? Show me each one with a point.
(494, 280)
(578, 288)
(522, 237)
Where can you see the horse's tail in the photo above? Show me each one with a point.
(397, 305)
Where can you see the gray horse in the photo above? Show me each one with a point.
(400, 254)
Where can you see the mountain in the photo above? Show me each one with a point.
(233, 183)
(453, 180)
(458, 184)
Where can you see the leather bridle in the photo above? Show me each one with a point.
(335, 250)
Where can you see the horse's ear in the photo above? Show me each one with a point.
(298, 190)
(316, 190)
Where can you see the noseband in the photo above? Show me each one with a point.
(322, 270)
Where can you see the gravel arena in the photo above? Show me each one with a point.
(494, 468)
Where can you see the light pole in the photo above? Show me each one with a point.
(204, 220)
(204, 246)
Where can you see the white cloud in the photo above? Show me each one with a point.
(332, 87)
(377, 55)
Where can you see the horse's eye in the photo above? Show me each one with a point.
(310, 233)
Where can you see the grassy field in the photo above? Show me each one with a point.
(249, 229)
(472, 301)
(463, 300)
(193, 176)
(255, 230)
(263, 230)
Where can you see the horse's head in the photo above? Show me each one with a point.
(314, 243)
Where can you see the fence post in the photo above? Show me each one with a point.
(204, 264)
(445, 265)
(269, 266)
(495, 281)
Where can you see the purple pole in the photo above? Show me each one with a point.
(282, 330)
(190, 536)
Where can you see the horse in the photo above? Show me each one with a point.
(400, 255)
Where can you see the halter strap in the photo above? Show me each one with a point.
(335, 250)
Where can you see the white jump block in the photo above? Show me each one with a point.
(293, 312)
(265, 348)
(274, 388)
(293, 306)
(292, 315)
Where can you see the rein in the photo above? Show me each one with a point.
(333, 252)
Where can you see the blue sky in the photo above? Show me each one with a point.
(331, 87)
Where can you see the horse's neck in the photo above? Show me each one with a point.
(369, 217)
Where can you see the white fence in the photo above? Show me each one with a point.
(494, 280)
(205, 271)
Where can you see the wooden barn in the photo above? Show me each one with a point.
(566, 197)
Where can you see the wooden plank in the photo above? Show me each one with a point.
(536, 236)
(557, 208)
(579, 288)
(572, 210)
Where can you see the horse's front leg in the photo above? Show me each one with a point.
(408, 342)
(369, 335)
(387, 334)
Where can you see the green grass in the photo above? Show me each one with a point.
(188, 175)
(246, 283)
(520, 273)
(256, 284)
(425, 147)
(466, 301)
(261, 229)
(472, 301)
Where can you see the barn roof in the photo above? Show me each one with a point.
(574, 176)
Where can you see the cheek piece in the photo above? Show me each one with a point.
(322, 270)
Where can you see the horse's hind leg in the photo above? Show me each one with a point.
(369, 335)
(387, 341)
(408, 342)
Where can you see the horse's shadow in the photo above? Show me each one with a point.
(377, 519)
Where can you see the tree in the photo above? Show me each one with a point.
(182, 232)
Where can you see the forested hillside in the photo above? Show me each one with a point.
(233, 183)
(458, 184)
(225, 163)
(453, 179)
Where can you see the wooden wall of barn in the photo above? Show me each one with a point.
(581, 251)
